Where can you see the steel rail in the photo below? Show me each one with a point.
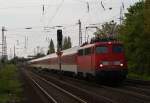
(83, 90)
(46, 93)
(135, 94)
(61, 89)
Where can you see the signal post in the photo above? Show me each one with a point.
(59, 48)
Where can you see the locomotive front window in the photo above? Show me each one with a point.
(117, 49)
(101, 49)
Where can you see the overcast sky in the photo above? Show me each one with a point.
(16, 15)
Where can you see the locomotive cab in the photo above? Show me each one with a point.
(110, 62)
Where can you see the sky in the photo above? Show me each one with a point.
(17, 15)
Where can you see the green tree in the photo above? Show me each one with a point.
(107, 29)
(147, 16)
(136, 37)
(39, 55)
(66, 43)
(51, 47)
(69, 42)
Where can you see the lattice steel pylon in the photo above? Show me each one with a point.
(4, 44)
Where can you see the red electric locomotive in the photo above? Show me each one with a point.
(101, 59)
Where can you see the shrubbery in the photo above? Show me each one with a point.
(135, 33)
(10, 86)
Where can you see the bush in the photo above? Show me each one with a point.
(136, 37)
(10, 86)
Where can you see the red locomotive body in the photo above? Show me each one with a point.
(103, 59)
(100, 59)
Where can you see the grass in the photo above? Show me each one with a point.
(134, 75)
(10, 86)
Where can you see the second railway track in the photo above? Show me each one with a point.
(123, 94)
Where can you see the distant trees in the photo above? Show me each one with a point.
(66, 43)
(51, 48)
(39, 55)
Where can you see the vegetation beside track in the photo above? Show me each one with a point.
(133, 75)
(10, 85)
(135, 34)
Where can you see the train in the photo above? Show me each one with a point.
(103, 60)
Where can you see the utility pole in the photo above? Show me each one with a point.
(11, 55)
(3, 29)
(26, 42)
(14, 51)
(121, 15)
(34, 52)
(38, 49)
(4, 45)
(80, 33)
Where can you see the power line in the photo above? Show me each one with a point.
(28, 6)
(57, 9)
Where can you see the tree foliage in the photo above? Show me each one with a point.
(108, 29)
(135, 33)
(39, 55)
(147, 17)
(66, 43)
(69, 42)
(51, 47)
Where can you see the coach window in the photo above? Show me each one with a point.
(101, 49)
(87, 51)
(80, 52)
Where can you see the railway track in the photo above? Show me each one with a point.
(141, 90)
(65, 93)
(123, 94)
(137, 81)
(44, 91)
(138, 84)
(54, 93)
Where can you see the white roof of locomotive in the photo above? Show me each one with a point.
(65, 52)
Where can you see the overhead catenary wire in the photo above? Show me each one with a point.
(115, 17)
(57, 9)
(26, 6)
(102, 5)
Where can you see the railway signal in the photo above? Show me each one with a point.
(59, 52)
(59, 39)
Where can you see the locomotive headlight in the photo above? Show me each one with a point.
(121, 64)
(104, 63)
(101, 65)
